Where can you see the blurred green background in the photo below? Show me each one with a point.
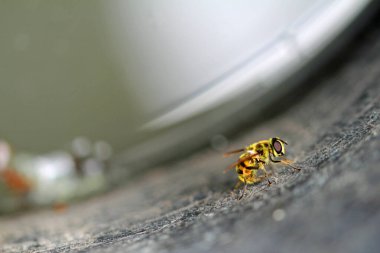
(57, 78)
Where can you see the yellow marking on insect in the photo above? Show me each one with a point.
(251, 165)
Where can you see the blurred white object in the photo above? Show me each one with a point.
(195, 56)
(149, 75)
(194, 65)
(5, 154)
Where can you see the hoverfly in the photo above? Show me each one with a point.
(250, 166)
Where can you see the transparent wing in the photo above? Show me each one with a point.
(233, 152)
(240, 160)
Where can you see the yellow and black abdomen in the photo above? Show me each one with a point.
(248, 170)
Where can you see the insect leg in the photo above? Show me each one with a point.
(245, 187)
(266, 176)
(285, 162)
(290, 164)
(272, 172)
(237, 185)
(269, 182)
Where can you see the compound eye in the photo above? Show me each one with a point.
(277, 147)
